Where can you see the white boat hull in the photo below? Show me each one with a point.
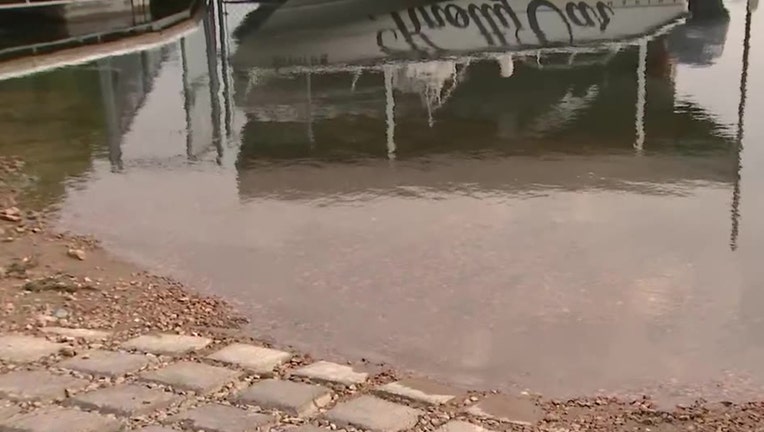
(460, 27)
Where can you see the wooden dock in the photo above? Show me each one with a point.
(42, 26)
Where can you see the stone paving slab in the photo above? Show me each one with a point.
(421, 390)
(197, 377)
(307, 428)
(512, 409)
(256, 359)
(106, 363)
(62, 420)
(125, 400)
(156, 429)
(222, 418)
(38, 385)
(324, 371)
(460, 426)
(169, 344)
(80, 333)
(26, 349)
(296, 399)
(374, 414)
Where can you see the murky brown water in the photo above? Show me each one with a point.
(551, 222)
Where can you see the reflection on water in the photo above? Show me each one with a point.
(436, 186)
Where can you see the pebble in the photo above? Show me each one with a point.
(76, 253)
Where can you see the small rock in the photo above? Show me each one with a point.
(76, 253)
(68, 351)
(42, 320)
(11, 214)
(61, 313)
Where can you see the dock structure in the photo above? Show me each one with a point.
(32, 27)
(42, 26)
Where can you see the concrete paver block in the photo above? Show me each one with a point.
(296, 399)
(307, 428)
(156, 429)
(257, 359)
(374, 414)
(38, 385)
(63, 420)
(106, 363)
(125, 400)
(26, 349)
(222, 418)
(460, 426)
(512, 409)
(421, 390)
(197, 377)
(80, 333)
(169, 344)
(329, 372)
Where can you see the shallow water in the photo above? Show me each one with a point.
(563, 226)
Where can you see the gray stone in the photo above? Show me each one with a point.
(420, 390)
(297, 399)
(324, 371)
(79, 333)
(62, 420)
(222, 418)
(512, 409)
(374, 414)
(156, 429)
(125, 400)
(307, 428)
(106, 363)
(197, 377)
(26, 349)
(257, 359)
(167, 344)
(460, 426)
(38, 385)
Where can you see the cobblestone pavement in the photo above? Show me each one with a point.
(79, 380)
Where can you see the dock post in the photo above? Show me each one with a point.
(708, 9)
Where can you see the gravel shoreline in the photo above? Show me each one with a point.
(52, 279)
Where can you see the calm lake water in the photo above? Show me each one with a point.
(565, 222)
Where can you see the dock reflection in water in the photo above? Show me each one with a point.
(461, 200)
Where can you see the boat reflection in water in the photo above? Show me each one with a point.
(403, 192)
(502, 82)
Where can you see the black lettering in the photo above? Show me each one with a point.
(432, 22)
(500, 7)
(495, 14)
(407, 33)
(533, 20)
(580, 14)
(605, 13)
(478, 13)
(457, 16)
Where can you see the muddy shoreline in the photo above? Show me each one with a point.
(56, 279)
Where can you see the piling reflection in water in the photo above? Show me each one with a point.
(490, 194)
(341, 99)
